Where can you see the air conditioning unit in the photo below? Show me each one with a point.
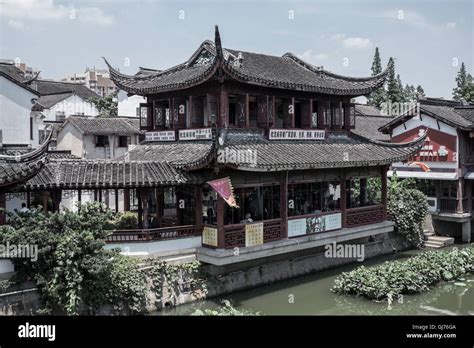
(432, 204)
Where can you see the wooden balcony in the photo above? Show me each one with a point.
(234, 235)
(154, 234)
(365, 215)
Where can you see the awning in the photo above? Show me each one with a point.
(469, 175)
(426, 175)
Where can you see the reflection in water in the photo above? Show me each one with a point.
(311, 295)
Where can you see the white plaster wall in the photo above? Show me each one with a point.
(15, 109)
(157, 247)
(69, 138)
(425, 121)
(107, 152)
(127, 106)
(74, 105)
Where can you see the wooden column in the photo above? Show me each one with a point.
(28, 200)
(198, 205)
(44, 200)
(342, 124)
(384, 170)
(144, 203)
(289, 113)
(363, 192)
(56, 198)
(347, 116)
(140, 208)
(343, 189)
(306, 113)
(116, 192)
(3, 205)
(179, 211)
(197, 112)
(460, 195)
(321, 113)
(126, 200)
(271, 110)
(220, 222)
(284, 203)
(189, 111)
(159, 205)
(223, 119)
(79, 200)
(262, 111)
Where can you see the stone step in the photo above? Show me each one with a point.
(433, 245)
(441, 239)
(427, 234)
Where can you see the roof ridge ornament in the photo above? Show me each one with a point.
(217, 42)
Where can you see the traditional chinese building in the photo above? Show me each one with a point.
(448, 153)
(280, 129)
(19, 168)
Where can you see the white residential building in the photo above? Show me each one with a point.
(18, 128)
(98, 138)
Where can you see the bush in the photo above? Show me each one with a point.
(411, 276)
(126, 220)
(407, 207)
(73, 271)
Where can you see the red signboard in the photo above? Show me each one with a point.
(438, 146)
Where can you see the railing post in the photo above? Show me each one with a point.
(343, 199)
(220, 222)
(384, 191)
(284, 203)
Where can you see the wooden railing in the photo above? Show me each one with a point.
(448, 205)
(234, 235)
(154, 234)
(364, 215)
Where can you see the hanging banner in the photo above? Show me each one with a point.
(224, 188)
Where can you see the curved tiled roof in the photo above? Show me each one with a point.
(451, 112)
(88, 174)
(337, 150)
(179, 154)
(286, 72)
(104, 125)
(19, 168)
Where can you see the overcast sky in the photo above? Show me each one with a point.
(427, 38)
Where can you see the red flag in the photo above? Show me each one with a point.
(422, 165)
(224, 188)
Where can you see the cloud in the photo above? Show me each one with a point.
(15, 24)
(450, 25)
(352, 42)
(47, 10)
(311, 57)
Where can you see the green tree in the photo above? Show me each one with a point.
(377, 97)
(73, 270)
(107, 105)
(464, 85)
(409, 93)
(401, 90)
(394, 94)
(419, 92)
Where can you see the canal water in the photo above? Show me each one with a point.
(311, 295)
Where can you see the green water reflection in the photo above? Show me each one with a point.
(311, 295)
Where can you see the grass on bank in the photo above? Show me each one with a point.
(414, 275)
